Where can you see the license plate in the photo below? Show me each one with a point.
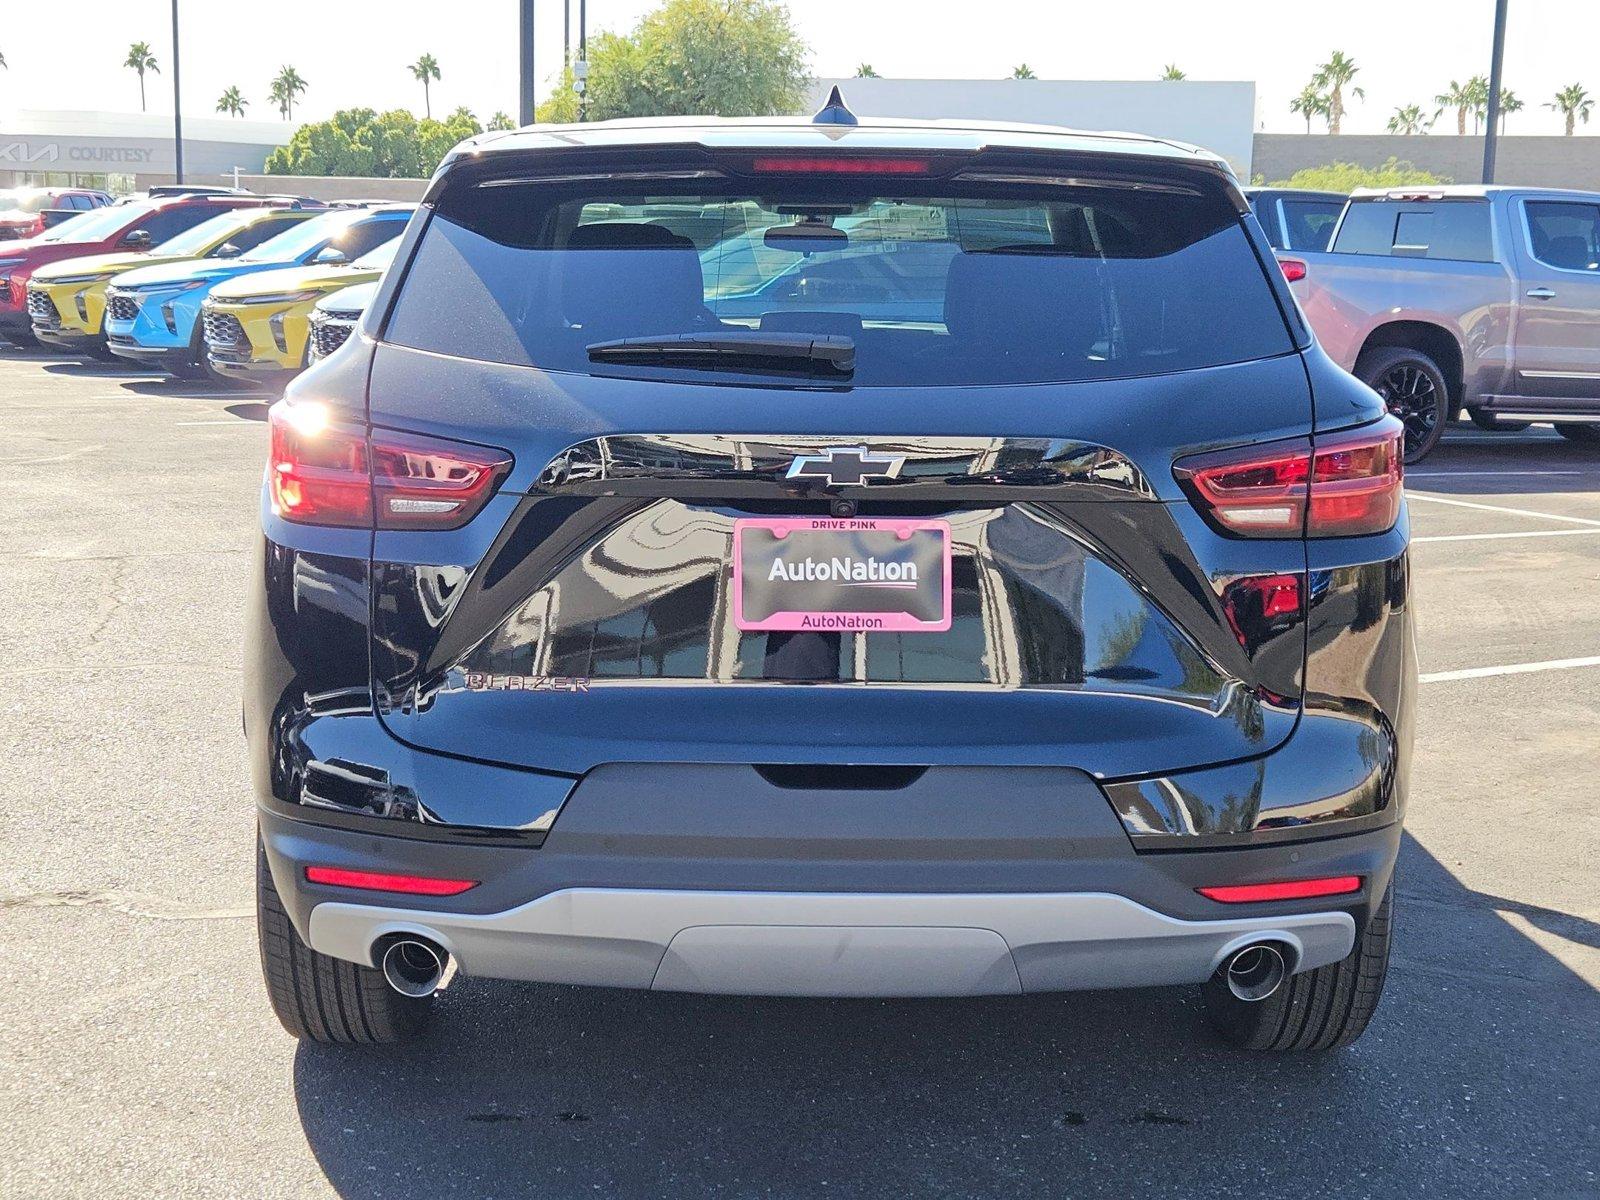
(841, 575)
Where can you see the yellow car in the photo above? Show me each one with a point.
(257, 329)
(67, 299)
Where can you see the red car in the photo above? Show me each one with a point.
(23, 210)
(138, 225)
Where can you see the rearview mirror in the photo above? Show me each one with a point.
(805, 237)
(228, 250)
(138, 239)
(330, 255)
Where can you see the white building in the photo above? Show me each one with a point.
(1217, 116)
(121, 151)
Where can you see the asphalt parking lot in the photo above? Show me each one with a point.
(140, 1057)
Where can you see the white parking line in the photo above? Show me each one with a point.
(1557, 664)
(1495, 474)
(1515, 512)
(1521, 533)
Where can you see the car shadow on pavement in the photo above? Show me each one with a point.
(1504, 464)
(1481, 1066)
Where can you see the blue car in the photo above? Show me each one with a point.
(153, 314)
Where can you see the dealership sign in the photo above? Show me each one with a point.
(22, 153)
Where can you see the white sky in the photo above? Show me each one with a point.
(68, 55)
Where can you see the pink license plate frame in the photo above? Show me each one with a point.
(841, 620)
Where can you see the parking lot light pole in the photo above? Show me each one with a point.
(177, 103)
(1492, 134)
(525, 62)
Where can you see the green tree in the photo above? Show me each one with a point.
(1173, 73)
(731, 58)
(1458, 96)
(232, 102)
(1309, 103)
(501, 120)
(361, 141)
(1574, 103)
(423, 71)
(864, 71)
(1022, 71)
(1409, 120)
(141, 60)
(1331, 79)
(1344, 176)
(286, 88)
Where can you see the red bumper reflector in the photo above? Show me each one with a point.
(841, 165)
(378, 881)
(1291, 889)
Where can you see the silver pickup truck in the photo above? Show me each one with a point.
(1482, 298)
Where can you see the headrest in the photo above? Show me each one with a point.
(1020, 301)
(631, 280)
(1571, 252)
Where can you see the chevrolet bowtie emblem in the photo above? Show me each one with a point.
(842, 465)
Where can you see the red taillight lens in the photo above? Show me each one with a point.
(322, 472)
(1292, 889)
(1350, 485)
(379, 881)
(1293, 269)
(840, 165)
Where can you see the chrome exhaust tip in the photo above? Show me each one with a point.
(1256, 971)
(413, 966)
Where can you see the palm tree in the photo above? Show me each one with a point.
(232, 102)
(1330, 79)
(1173, 74)
(423, 70)
(1478, 97)
(141, 60)
(1309, 103)
(1459, 97)
(1023, 71)
(285, 88)
(1409, 120)
(1573, 103)
(865, 71)
(500, 120)
(1510, 102)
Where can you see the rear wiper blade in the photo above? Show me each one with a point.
(832, 354)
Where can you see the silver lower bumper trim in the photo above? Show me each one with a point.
(833, 944)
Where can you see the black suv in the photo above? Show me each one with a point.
(830, 558)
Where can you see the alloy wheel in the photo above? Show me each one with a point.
(1410, 394)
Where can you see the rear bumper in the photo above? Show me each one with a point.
(831, 944)
(862, 913)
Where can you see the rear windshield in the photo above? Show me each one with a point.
(1016, 283)
(1446, 229)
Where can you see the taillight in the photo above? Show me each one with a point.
(1293, 269)
(1349, 485)
(840, 165)
(1289, 889)
(323, 472)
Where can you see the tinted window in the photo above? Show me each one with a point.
(1309, 223)
(260, 231)
(1457, 230)
(982, 286)
(169, 222)
(1565, 235)
(366, 237)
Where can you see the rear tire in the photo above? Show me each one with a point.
(1413, 389)
(323, 999)
(1583, 435)
(1496, 424)
(1324, 1009)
